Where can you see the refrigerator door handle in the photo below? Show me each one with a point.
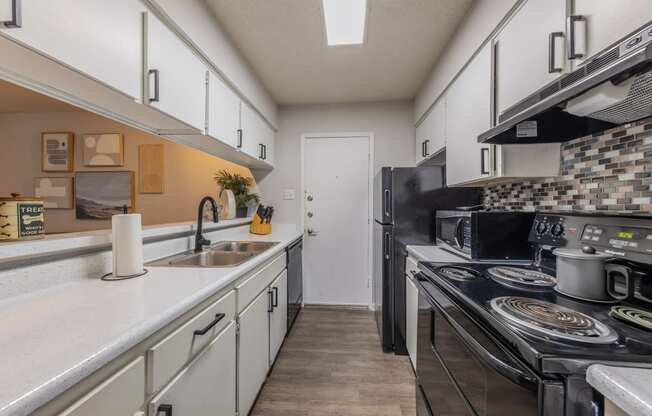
(386, 244)
(388, 203)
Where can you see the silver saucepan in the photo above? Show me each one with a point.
(581, 274)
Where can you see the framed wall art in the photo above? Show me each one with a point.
(100, 195)
(103, 150)
(56, 193)
(57, 152)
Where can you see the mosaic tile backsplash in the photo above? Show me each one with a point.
(609, 171)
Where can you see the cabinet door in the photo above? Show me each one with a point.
(411, 312)
(607, 21)
(530, 51)
(101, 39)
(206, 387)
(431, 133)
(253, 347)
(257, 136)
(223, 111)
(269, 140)
(121, 395)
(278, 319)
(176, 76)
(468, 113)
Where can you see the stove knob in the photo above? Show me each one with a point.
(557, 230)
(541, 228)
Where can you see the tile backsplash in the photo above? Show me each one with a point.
(608, 171)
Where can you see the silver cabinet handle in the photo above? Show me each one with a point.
(156, 97)
(572, 42)
(16, 21)
(552, 68)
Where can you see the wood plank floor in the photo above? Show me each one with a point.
(332, 364)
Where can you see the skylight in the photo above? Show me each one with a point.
(345, 21)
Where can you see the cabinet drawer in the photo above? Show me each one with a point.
(411, 267)
(168, 356)
(251, 287)
(122, 394)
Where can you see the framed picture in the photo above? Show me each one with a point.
(100, 195)
(103, 150)
(57, 193)
(57, 152)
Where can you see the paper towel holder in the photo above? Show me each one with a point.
(110, 277)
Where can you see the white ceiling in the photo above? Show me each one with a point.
(15, 99)
(285, 43)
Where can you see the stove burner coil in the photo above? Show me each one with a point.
(458, 273)
(521, 276)
(638, 317)
(552, 321)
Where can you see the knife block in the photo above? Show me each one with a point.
(258, 228)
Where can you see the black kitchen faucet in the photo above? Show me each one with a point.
(200, 241)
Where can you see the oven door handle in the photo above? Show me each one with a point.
(505, 369)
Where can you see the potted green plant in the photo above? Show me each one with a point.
(239, 185)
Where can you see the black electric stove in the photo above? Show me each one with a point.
(495, 338)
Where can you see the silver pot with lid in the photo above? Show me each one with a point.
(581, 274)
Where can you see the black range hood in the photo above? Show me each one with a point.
(545, 116)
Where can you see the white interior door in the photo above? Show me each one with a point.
(336, 247)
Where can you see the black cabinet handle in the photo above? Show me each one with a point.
(239, 144)
(16, 21)
(484, 158)
(386, 248)
(426, 151)
(156, 89)
(572, 53)
(388, 202)
(208, 327)
(260, 145)
(551, 52)
(423, 149)
(264, 152)
(166, 409)
(270, 301)
(275, 297)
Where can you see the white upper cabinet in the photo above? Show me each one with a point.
(468, 113)
(101, 39)
(257, 135)
(530, 51)
(431, 133)
(223, 111)
(176, 76)
(607, 21)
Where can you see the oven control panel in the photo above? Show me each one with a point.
(625, 236)
(618, 239)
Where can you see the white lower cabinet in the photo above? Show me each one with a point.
(411, 310)
(121, 395)
(278, 317)
(206, 387)
(253, 350)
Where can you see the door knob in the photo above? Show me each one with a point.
(312, 232)
(310, 198)
(310, 214)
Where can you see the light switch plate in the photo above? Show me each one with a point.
(288, 194)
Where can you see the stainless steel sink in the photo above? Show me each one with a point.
(222, 254)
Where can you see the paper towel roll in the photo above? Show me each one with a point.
(127, 240)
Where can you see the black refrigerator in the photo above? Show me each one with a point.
(405, 202)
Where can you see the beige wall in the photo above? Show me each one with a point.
(390, 122)
(188, 172)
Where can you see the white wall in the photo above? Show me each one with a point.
(480, 21)
(391, 123)
(197, 21)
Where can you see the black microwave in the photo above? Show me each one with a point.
(486, 235)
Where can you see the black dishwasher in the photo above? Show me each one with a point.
(295, 280)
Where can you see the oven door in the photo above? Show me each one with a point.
(463, 370)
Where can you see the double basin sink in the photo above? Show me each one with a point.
(222, 254)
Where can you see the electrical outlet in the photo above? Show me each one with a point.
(288, 194)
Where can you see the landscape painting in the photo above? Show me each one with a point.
(100, 195)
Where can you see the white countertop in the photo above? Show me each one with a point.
(434, 253)
(628, 388)
(52, 339)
